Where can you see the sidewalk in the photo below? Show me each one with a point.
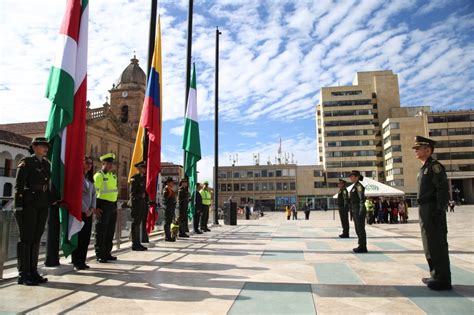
(265, 266)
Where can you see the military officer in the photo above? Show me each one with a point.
(183, 202)
(343, 207)
(32, 199)
(169, 200)
(433, 197)
(105, 182)
(139, 203)
(357, 206)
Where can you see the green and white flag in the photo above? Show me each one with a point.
(191, 142)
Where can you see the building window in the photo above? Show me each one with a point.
(229, 187)
(271, 174)
(278, 173)
(236, 187)
(264, 173)
(236, 174)
(223, 187)
(256, 173)
(317, 173)
(243, 187)
(342, 93)
(124, 114)
(249, 174)
(292, 186)
(279, 186)
(318, 185)
(271, 186)
(250, 186)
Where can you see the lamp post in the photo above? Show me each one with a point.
(216, 133)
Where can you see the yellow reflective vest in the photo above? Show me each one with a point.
(206, 197)
(106, 186)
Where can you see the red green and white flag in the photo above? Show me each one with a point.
(65, 131)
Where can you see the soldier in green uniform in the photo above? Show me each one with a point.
(32, 200)
(139, 203)
(433, 197)
(169, 200)
(357, 205)
(343, 207)
(183, 202)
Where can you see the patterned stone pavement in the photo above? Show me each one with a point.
(265, 266)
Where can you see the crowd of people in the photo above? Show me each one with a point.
(33, 197)
(386, 210)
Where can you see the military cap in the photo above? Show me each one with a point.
(356, 173)
(109, 157)
(422, 141)
(40, 140)
(140, 164)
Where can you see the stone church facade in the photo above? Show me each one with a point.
(109, 128)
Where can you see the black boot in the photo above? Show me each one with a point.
(23, 256)
(34, 253)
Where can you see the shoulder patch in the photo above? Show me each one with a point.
(437, 168)
(359, 188)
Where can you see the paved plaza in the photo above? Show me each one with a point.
(265, 266)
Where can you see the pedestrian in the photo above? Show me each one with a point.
(343, 207)
(169, 200)
(197, 209)
(294, 211)
(369, 205)
(105, 182)
(379, 210)
(139, 203)
(357, 205)
(32, 199)
(183, 203)
(307, 210)
(288, 212)
(79, 255)
(433, 196)
(206, 203)
(401, 211)
(247, 212)
(386, 210)
(452, 204)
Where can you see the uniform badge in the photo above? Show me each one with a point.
(22, 164)
(437, 168)
(359, 188)
(425, 171)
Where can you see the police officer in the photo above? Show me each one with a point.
(357, 206)
(343, 207)
(138, 201)
(206, 202)
(32, 199)
(433, 197)
(169, 200)
(107, 192)
(197, 209)
(183, 203)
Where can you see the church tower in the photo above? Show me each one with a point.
(127, 95)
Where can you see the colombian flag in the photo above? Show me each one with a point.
(151, 122)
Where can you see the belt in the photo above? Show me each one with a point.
(43, 188)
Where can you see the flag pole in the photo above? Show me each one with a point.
(216, 133)
(188, 62)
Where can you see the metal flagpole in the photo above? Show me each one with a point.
(188, 62)
(216, 133)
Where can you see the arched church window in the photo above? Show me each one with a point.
(124, 114)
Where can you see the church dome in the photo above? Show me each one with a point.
(132, 74)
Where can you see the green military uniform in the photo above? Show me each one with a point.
(343, 207)
(433, 197)
(32, 200)
(169, 200)
(139, 203)
(357, 205)
(107, 193)
(183, 203)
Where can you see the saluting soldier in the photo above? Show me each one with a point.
(343, 207)
(433, 197)
(105, 182)
(183, 202)
(357, 205)
(169, 200)
(139, 203)
(32, 199)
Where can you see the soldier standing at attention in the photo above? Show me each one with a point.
(206, 202)
(139, 203)
(197, 209)
(357, 205)
(183, 202)
(343, 207)
(433, 197)
(107, 192)
(169, 199)
(32, 199)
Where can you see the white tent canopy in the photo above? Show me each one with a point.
(375, 189)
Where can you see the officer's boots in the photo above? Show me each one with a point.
(24, 271)
(34, 252)
(426, 280)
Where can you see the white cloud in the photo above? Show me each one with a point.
(249, 134)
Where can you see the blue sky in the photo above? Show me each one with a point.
(274, 57)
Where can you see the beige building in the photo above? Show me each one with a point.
(363, 127)
(111, 127)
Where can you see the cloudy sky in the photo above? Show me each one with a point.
(274, 57)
